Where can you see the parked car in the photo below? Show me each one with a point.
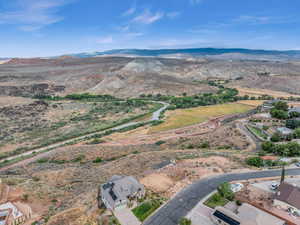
(274, 186)
(297, 164)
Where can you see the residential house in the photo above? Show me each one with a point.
(287, 197)
(120, 190)
(284, 131)
(14, 213)
(267, 105)
(244, 215)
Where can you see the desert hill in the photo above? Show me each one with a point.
(132, 76)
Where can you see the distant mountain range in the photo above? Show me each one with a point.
(195, 52)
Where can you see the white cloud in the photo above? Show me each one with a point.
(134, 34)
(256, 20)
(147, 17)
(30, 15)
(130, 11)
(173, 15)
(105, 40)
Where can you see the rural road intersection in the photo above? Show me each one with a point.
(186, 200)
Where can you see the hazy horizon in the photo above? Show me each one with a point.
(43, 28)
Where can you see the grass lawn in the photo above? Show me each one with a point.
(146, 209)
(215, 200)
(185, 117)
(258, 132)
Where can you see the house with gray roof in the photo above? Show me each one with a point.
(287, 196)
(120, 190)
(244, 215)
(284, 131)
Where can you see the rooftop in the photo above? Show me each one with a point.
(284, 130)
(289, 193)
(246, 215)
(119, 188)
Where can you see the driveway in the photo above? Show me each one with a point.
(126, 217)
(200, 215)
(189, 197)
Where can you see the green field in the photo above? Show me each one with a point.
(185, 117)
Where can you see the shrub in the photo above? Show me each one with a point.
(43, 160)
(205, 145)
(97, 160)
(96, 141)
(255, 161)
(238, 202)
(160, 142)
(185, 221)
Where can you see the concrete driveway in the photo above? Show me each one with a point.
(200, 215)
(126, 217)
(185, 200)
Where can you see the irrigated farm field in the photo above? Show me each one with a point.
(185, 117)
(252, 102)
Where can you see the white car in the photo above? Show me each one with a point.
(274, 186)
(236, 187)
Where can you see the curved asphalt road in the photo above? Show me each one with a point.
(186, 200)
(155, 117)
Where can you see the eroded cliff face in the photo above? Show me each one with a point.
(132, 76)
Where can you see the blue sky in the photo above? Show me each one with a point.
(53, 27)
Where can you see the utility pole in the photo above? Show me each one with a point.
(282, 175)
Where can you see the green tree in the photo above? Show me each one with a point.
(292, 124)
(225, 191)
(297, 133)
(281, 105)
(276, 137)
(268, 146)
(255, 161)
(279, 114)
(294, 114)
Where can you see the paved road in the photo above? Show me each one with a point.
(155, 117)
(186, 200)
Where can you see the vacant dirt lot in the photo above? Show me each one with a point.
(40, 123)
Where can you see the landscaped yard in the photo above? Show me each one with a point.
(185, 117)
(146, 209)
(216, 200)
(258, 132)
